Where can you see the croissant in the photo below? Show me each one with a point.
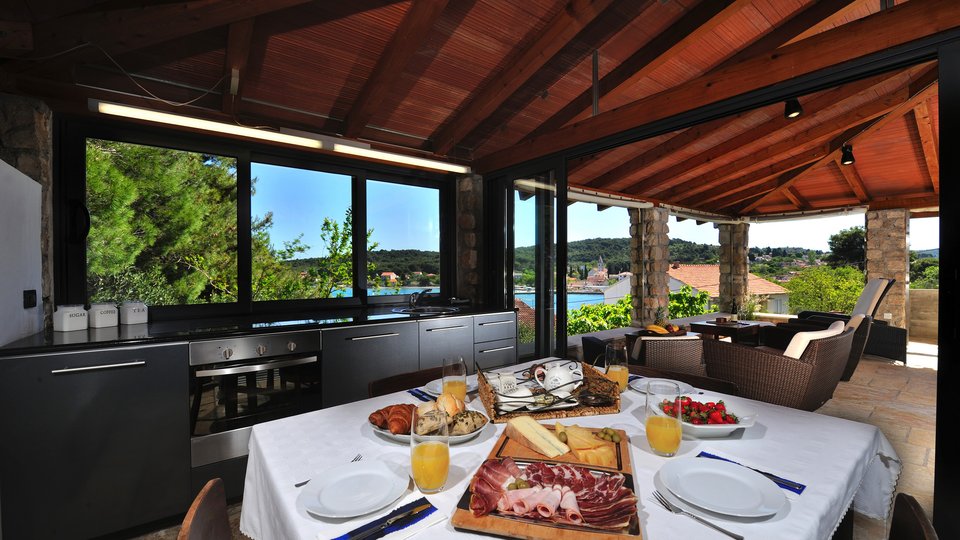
(398, 418)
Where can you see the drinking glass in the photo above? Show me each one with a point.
(663, 417)
(616, 360)
(429, 452)
(455, 377)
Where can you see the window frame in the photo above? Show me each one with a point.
(71, 221)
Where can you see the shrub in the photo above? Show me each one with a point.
(684, 303)
(595, 317)
(822, 288)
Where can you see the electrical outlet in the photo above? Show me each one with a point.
(888, 316)
(29, 299)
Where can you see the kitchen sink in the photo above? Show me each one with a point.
(426, 310)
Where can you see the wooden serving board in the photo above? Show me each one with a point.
(515, 527)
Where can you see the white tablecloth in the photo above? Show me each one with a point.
(841, 462)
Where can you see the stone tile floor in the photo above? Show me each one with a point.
(900, 400)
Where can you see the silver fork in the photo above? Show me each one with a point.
(356, 458)
(677, 510)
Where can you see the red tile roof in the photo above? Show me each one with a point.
(706, 277)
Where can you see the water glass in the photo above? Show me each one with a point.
(615, 357)
(455, 377)
(429, 451)
(663, 417)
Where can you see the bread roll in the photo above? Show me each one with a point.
(450, 404)
(467, 422)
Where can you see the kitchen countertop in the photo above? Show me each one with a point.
(210, 328)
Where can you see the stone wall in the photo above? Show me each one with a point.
(26, 143)
(734, 265)
(649, 262)
(888, 256)
(469, 227)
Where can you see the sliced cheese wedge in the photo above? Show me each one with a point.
(530, 433)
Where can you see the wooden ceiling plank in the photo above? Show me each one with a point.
(407, 39)
(525, 63)
(884, 30)
(705, 16)
(239, 37)
(911, 200)
(919, 90)
(925, 214)
(928, 142)
(850, 174)
(796, 198)
(16, 38)
(759, 190)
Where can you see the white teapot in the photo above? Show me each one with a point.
(559, 375)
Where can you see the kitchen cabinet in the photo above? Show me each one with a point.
(355, 355)
(94, 441)
(495, 339)
(446, 337)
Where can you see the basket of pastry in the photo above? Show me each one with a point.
(393, 422)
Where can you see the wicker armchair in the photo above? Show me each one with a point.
(805, 383)
(683, 354)
(777, 337)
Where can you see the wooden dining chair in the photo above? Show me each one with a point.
(207, 518)
(403, 381)
(699, 381)
(909, 522)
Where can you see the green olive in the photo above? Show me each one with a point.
(562, 436)
(512, 486)
(615, 438)
(522, 484)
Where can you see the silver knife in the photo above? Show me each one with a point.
(408, 514)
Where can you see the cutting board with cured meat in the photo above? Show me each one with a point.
(565, 499)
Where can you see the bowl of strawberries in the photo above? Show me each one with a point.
(706, 416)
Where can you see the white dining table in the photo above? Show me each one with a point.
(843, 464)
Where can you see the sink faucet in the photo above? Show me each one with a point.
(415, 297)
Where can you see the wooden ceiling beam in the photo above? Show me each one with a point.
(239, 37)
(16, 38)
(561, 30)
(912, 200)
(407, 39)
(925, 214)
(701, 19)
(919, 90)
(928, 142)
(884, 30)
(718, 204)
(850, 174)
(796, 198)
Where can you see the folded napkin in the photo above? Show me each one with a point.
(403, 528)
(632, 378)
(784, 483)
(420, 394)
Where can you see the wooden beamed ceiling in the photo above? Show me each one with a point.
(494, 83)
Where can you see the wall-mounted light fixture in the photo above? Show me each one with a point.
(792, 108)
(846, 155)
(317, 142)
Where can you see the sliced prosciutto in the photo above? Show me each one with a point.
(489, 484)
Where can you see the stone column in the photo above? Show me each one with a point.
(888, 255)
(734, 264)
(26, 142)
(649, 262)
(469, 227)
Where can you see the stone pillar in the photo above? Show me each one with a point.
(888, 255)
(26, 143)
(649, 262)
(469, 227)
(734, 264)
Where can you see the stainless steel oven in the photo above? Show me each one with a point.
(238, 382)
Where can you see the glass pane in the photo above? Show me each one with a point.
(534, 262)
(163, 225)
(301, 233)
(403, 228)
(524, 269)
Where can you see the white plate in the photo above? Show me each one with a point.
(640, 385)
(405, 438)
(746, 414)
(435, 387)
(722, 487)
(354, 489)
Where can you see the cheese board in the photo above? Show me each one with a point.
(506, 524)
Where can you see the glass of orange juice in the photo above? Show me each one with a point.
(455, 377)
(429, 454)
(616, 360)
(663, 416)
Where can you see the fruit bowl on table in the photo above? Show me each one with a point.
(650, 333)
(745, 413)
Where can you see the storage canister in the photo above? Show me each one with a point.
(69, 317)
(133, 312)
(103, 314)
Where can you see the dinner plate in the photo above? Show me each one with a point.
(722, 487)
(435, 387)
(640, 385)
(354, 489)
(405, 438)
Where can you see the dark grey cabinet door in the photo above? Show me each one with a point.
(356, 355)
(448, 337)
(94, 441)
(495, 326)
(491, 354)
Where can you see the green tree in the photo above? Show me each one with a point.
(848, 248)
(595, 317)
(822, 288)
(684, 303)
(930, 279)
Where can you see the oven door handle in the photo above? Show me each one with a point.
(256, 367)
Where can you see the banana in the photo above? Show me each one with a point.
(657, 328)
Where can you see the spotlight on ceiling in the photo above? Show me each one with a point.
(846, 155)
(792, 108)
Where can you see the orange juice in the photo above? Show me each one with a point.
(663, 434)
(430, 462)
(456, 386)
(619, 374)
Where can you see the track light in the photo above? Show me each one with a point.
(846, 155)
(792, 108)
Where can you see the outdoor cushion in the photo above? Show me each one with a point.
(801, 339)
(855, 321)
(870, 296)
